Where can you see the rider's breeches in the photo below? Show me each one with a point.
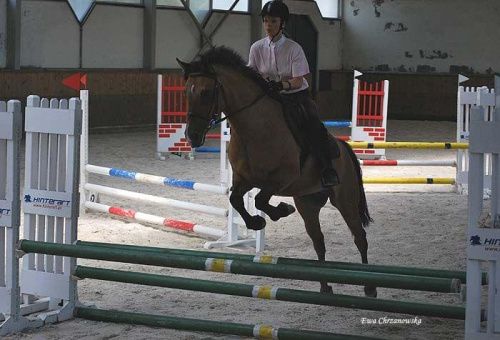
(318, 140)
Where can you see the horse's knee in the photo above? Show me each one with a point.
(261, 203)
(236, 200)
(262, 200)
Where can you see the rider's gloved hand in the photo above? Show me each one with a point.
(275, 86)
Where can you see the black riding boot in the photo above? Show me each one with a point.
(329, 177)
(327, 149)
(316, 138)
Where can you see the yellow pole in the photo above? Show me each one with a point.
(403, 180)
(408, 145)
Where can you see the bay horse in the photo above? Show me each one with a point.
(264, 154)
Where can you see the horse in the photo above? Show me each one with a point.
(264, 154)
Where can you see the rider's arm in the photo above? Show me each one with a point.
(292, 84)
(299, 67)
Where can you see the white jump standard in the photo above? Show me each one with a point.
(11, 311)
(467, 99)
(484, 224)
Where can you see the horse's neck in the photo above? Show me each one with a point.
(240, 91)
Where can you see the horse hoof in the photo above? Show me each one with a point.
(284, 210)
(257, 223)
(371, 292)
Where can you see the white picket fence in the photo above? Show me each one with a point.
(50, 199)
(468, 98)
(483, 247)
(10, 219)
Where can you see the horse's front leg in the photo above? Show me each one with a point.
(275, 213)
(236, 200)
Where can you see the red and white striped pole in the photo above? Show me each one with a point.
(156, 220)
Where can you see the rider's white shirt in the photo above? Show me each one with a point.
(279, 61)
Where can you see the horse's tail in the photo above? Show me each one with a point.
(363, 206)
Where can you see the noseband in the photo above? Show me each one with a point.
(214, 108)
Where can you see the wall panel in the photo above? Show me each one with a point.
(49, 35)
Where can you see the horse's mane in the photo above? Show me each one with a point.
(226, 57)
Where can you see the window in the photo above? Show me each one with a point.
(242, 5)
(200, 9)
(135, 2)
(172, 3)
(328, 8)
(80, 7)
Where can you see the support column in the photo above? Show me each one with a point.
(256, 21)
(14, 34)
(149, 56)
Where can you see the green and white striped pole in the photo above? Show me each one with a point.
(272, 293)
(415, 271)
(256, 331)
(245, 267)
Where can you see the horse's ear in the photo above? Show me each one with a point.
(185, 66)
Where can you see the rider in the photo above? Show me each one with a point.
(283, 63)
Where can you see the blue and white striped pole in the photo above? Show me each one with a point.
(145, 178)
(337, 123)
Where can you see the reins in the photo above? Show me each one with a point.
(214, 108)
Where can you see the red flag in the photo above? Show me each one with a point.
(73, 81)
(83, 80)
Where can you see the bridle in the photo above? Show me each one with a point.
(214, 108)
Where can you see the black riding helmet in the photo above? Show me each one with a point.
(276, 9)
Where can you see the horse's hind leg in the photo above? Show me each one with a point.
(275, 213)
(350, 213)
(309, 207)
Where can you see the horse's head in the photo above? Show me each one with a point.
(202, 89)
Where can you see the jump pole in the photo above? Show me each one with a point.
(94, 188)
(259, 331)
(338, 123)
(207, 150)
(414, 271)
(271, 293)
(409, 145)
(156, 220)
(152, 179)
(388, 162)
(244, 267)
(408, 180)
